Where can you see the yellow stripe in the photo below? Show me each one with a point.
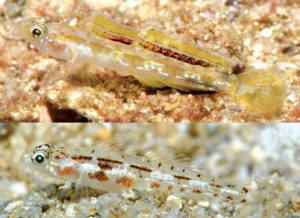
(187, 48)
(73, 28)
(66, 38)
(99, 48)
(115, 28)
(134, 58)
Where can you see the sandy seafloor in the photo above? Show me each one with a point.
(264, 158)
(262, 33)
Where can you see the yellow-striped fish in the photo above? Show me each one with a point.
(155, 59)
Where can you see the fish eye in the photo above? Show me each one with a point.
(36, 32)
(39, 158)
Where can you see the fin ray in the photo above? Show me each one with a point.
(262, 92)
(149, 81)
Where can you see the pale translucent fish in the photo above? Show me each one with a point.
(155, 59)
(119, 172)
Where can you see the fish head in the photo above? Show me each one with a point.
(48, 37)
(40, 157)
(35, 30)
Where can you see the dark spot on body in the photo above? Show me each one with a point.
(104, 165)
(182, 177)
(109, 160)
(245, 190)
(216, 185)
(81, 157)
(229, 198)
(197, 191)
(213, 183)
(141, 168)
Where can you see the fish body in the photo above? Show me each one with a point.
(116, 172)
(155, 59)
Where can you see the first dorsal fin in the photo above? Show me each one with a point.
(115, 144)
(118, 143)
(104, 27)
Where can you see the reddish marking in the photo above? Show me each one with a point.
(154, 185)
(245, 190)
(108, 160)
(100, 176)
(81, 158)
(182, 189)
(182, 177)
(125, 181)
(175, 55)
(141, 168)
(56, 47)
(57, 157)
(67, 171)
(115, 38)
(197, 191)
(229, 198)
(170, 187)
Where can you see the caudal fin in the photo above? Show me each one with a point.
(262, 92)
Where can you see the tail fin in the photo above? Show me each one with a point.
(262, 92)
